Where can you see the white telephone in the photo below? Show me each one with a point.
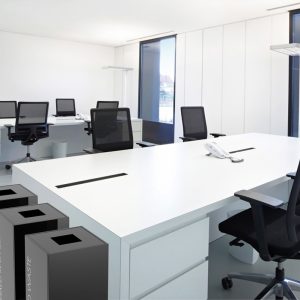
(79, 117)
(217, 151)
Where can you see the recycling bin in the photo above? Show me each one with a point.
(66, 264)
(15, 223)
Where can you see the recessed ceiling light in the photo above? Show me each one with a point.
(284, 6)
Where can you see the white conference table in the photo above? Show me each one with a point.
(155, 217)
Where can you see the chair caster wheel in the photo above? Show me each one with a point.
(227, 283)
(7, 167)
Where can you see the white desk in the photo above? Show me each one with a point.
(66, 129)
(155, 218)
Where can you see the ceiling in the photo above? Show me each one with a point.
(115, 22)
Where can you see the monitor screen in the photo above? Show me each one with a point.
(65, 107)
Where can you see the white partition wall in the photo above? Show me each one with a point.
(193, 68)
(258, 75)
(126, 88)
(213, 77)
(279, 77)
(233, 107)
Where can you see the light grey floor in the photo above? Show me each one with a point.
(221, 263)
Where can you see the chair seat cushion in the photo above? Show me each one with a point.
(241, 226)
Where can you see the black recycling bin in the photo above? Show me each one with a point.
(16, 195)
(66, 264)
(15, 223)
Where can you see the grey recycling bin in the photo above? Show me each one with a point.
(66, 264)
(16, 195)
(15, 223)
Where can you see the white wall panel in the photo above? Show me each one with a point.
(258, 75)
(131, 80)
(193, 68)
(118, 76)
(180, 84)
(127, 82)
(279, 77)
(212, 77)
(233, 79)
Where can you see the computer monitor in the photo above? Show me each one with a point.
(65, 107)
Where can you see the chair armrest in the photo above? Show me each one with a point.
(187, 139)
(88, 128)
(9, 127)
(145, 144)
(92, 151)
(216, 135)
(258, 198)
(291, 175)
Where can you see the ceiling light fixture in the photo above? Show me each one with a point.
(284, 6)
(151, 36)
(288, 49)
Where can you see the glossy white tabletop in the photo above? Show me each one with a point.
(164, 182)
(57, 121)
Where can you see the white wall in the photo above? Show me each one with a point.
(42, 69)
(232, 72)
(127, 83)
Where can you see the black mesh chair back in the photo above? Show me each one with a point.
(8, 109)
(194, 122)
(112, 129)
(31, 121)
(107, 104)
(65, 107)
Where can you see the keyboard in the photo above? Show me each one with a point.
(66, 118)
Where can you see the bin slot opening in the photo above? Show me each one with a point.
(7, 192)
(66, 239)
(31, 213)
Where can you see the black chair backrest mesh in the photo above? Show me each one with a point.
(32, 113)
(292, 219)
(107, 104)
(8, 109)
(31, 119)
(65, 107)
(112, 129)
(194, 122)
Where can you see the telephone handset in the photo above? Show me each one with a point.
(217, 151)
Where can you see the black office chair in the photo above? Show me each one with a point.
(112, 130)
(274, 231)
(8, 109)
(31, 125)
(101, 105)
(65, 107)
(194, 124)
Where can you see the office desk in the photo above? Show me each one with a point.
(69, 130)
(155, 217)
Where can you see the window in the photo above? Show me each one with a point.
(294, 76)
(157, 89)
